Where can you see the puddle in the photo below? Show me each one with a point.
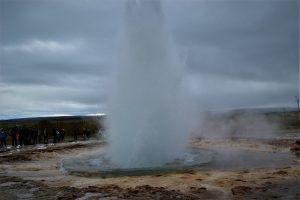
(99, 164)
(242, 159)
(224, 159)
(7, 184)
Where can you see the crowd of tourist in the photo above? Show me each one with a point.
(31, 136)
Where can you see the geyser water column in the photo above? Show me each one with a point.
(146, 115)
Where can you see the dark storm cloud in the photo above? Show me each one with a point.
(56, 56)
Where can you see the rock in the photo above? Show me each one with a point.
(198, 190)
(295, 148)
(281, 172)
(238, 190)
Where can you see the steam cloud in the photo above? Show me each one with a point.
(228, 125)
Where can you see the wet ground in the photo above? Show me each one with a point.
(244, 168)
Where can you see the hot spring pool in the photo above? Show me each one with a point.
(100, 165)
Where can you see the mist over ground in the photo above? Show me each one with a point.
(230, 125)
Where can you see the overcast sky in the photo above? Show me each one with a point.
(56, 56)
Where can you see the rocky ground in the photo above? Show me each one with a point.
(36, 173)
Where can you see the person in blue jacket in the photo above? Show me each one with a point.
(3, 136)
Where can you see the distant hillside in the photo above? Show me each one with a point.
(286, 118)
(69, 123)
(56, 118)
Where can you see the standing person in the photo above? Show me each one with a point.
(40, 135)
(75, 134)
(34, 136)
(45, 136)
(62, 134)
(17, 137)
(25, 136)
(30, 136)
(88, 132)
(3, 135)
(13, 135)
(21, 136)
(54, 135)
(84, 133)
(57, 135)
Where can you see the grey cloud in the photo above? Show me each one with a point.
(56, 19)
(258, 39)
(47, 99)
(56, 56)
(43, 67)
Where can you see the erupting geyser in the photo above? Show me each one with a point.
(146, 115)
(148, 118)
